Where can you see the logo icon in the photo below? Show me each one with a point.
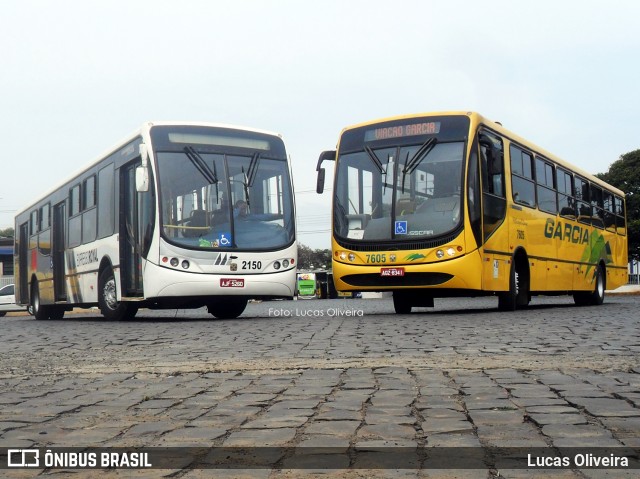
(401, 227)
(23, 458)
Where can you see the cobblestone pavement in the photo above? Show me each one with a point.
(337, 373)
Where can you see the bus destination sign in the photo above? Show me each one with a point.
(401, 131)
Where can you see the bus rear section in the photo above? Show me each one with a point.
(307, 287)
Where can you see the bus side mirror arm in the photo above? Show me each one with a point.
(329, 155)
(142, 171)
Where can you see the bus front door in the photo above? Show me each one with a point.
(130, 237)
(57, 250)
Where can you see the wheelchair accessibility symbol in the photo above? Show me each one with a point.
(401, 227)
(223, 240)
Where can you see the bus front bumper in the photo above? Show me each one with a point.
(463, 273)
(181, 284)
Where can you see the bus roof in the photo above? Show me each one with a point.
(476, 120)
(144, 128)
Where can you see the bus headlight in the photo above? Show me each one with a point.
(285, 263)
(352, 257)
(439, 254)
(185, 264)
(343, 255)
(451, 252)
(276, 265)
(174, 262)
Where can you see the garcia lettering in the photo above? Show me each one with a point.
(566, 232)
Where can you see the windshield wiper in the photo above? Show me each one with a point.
(374, 158)
(201, 165)
(253, 168)
(250, 175)
(417, 158)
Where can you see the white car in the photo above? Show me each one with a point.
(8, 300)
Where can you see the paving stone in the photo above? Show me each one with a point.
(387, 431)
(568, 430)
(608, 407)
(388, 419)
(275, 422)
(335, 428)
(328, 413)
(453, 439)
(150, 429)
(544, 419)
(494, 417)
(260, 437)
(445, 425)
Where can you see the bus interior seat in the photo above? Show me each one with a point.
(199, 219)
(405, 207)
(358, 222)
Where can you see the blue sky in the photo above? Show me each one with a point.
(79, 76)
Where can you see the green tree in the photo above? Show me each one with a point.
(625, 174)
(313, 259)
(6, 233)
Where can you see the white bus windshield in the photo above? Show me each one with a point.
(234, 195)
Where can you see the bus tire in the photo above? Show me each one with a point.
(596, 297)
(110, 307)
(401, 303)
(37, 310)
(518, 294)
(227, 308)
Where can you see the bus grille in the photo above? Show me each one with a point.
(409, 279)
(362, 245)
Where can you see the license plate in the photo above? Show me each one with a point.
(232, 282)
(391, 271)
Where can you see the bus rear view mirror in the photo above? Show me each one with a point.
(142, 179)
(329, 155)
(320, 182)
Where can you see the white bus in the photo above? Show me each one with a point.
(179, 215)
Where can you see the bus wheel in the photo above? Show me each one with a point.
(110, 307)
(227, 308)
(401, 303)
(518, 294)
(596, 297)
(36, 309)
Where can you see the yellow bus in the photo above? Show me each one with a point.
(452, 204)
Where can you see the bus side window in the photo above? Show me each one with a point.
(492, 165)
(522, 183)
(609, 212)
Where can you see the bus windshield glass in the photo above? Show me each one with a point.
(223, 189)
(399, 183)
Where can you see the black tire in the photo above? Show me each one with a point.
(40, 312)
(401, 304)
(227, 308)
(2, 313)
(518, 294)
(110, 307)
(596, 297)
